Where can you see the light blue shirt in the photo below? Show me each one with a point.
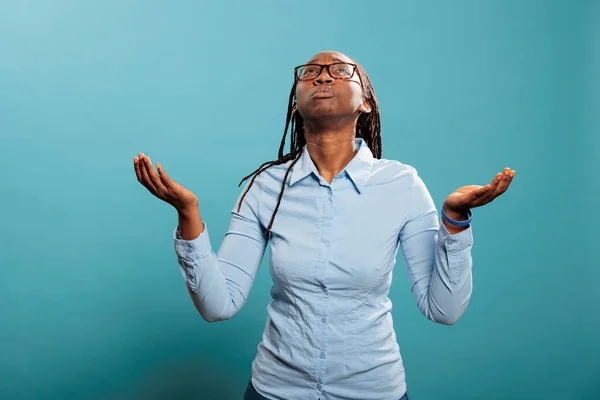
(329, 331)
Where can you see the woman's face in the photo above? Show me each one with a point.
(323, 96)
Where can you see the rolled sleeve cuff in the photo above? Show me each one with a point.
(455, 242)
(195, 248)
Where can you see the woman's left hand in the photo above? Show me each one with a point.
(465, 198)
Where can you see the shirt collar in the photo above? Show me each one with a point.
(358, 169)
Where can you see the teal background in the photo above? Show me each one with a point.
(92, 304)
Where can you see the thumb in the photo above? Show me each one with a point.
(163, 175)
(468, 189)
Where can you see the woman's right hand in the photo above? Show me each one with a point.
(163, 187)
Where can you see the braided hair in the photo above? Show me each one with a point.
(368, 127)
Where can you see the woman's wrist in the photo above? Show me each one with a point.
(456, 215)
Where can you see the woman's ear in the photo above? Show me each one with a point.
(365, 107)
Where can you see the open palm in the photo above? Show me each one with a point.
(471, 196)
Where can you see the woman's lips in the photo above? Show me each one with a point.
(322, 93)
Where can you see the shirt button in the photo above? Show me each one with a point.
(189, 250)
(323, 319)
(322, 354)
(319, 386)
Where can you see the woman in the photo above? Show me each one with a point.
(334, 214)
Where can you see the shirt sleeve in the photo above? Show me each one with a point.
(439, 264)
(219, 283)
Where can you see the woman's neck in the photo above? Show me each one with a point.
(330, 149)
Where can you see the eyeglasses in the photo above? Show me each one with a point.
(339, 70)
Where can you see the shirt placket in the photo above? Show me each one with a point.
(320, 276)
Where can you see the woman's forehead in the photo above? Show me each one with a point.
(327, 57)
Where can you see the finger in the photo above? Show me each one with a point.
(164, 178)
(502, 183)
(507, 175)
(494, 183)
(489, 194)
(146, 176)
(138, 165)
(154, 178)
(482, 191)
(136, 168)
(486, 196)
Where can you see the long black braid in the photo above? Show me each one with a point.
(368, 127)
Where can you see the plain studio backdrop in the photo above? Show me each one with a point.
(92, 303)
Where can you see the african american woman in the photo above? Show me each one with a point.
(335, 214)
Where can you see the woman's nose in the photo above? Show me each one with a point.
(324, 76)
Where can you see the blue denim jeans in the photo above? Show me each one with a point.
(252, 394)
